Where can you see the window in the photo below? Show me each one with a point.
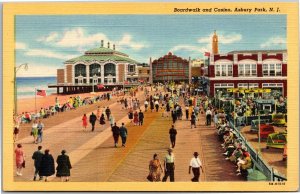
(109, 69)
(140, 71)
(80, 70)
(223, 70)
(247, 70)
(272, 69)
(131, 68)
(95, 70)
(148, 71)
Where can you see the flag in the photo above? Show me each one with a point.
(41, 92)
(100, 86)
(207, 54)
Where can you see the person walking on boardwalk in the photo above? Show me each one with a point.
(208, 117)
(130, 115)
(141, 118)
(155, 169)
(47, 165)
(173, 133)
(37, 157)
(111, 120)
(84, 122)
(40, 128)
(195, 165)
(99, 112)
(136, 118)
(123, 134)
(107, 112)
(193, 120)
(34, 131)
(146, 103)
(169, 166)
(20, 159)
(187, 112)
(151, 105)
(63, 166)
(116, 133)
(156, 105)
(102, 120)
(93, 119)
(174, 116)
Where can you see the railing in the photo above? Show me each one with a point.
(258, 162)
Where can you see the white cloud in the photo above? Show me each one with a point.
(49, 38)
(20, 46)
(274, 41)
(48, 54)
(128, 42)
(38, 70)
(222, 38)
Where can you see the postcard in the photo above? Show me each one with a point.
(150, 96)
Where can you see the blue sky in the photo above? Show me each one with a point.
(45, 42)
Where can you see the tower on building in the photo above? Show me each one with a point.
(215, 47)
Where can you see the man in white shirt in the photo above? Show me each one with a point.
(195, 165)
(208, 117)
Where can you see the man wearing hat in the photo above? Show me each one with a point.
(169, 166)
(195, 165)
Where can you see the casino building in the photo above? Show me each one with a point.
(247, 69)
(101, 65)
(170, 68)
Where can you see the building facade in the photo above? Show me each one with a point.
(97, 66)
(248, 69)
(170, 68)
(144, 73)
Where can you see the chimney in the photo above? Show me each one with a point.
(108, 45)
(114, 47)
(102, 43)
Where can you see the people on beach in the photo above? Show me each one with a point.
(93, 119)
(40, 128)
(195, 165)
(47, 165)
(63, 166)
(116, 133)
(34, 131)
(169, 166)
(20, 159)
(123, 134)
(37, 157)
(155, 169)
(84, 122)
(173, 133)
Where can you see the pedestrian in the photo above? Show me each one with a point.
(93, 119)
(116, 132)
(47, 165)
(102, 119)
(40, 128)
(123, 134)
(108, 96)
(169, 166)
(130, 115)
(155, 169)
(20, 159)
(151, 105)
(146, 105)
(37, 157)
(141, 118)
(168, 109)
(107, 112)
(173, 133)
(63, 166)
(84, 122)
(193, 120)
(187, 112)
(195, 165)
(99, 112)
(174, 116)
(136, 118)
(208, 117)
(111, 120)
(125, 103)
(16, 132)
(34, 131)
(156, 105)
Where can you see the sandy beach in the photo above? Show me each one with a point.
(28, 104)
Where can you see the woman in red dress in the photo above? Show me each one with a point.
(136, 118)
(84, 122)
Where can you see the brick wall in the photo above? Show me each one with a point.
(60, 76)
(69, 73)
(121, 72)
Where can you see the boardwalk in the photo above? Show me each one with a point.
(94, 159)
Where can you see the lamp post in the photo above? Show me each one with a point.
(16, 69)
(97, 71)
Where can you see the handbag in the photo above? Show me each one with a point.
(23, 164)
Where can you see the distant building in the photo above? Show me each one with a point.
(170, 68)
(97, 66)
(143, 73)
(215, 44)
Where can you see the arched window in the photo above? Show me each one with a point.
(109, 69)
(80, 69)
(95, 70)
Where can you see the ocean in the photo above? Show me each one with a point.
(26, 86)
